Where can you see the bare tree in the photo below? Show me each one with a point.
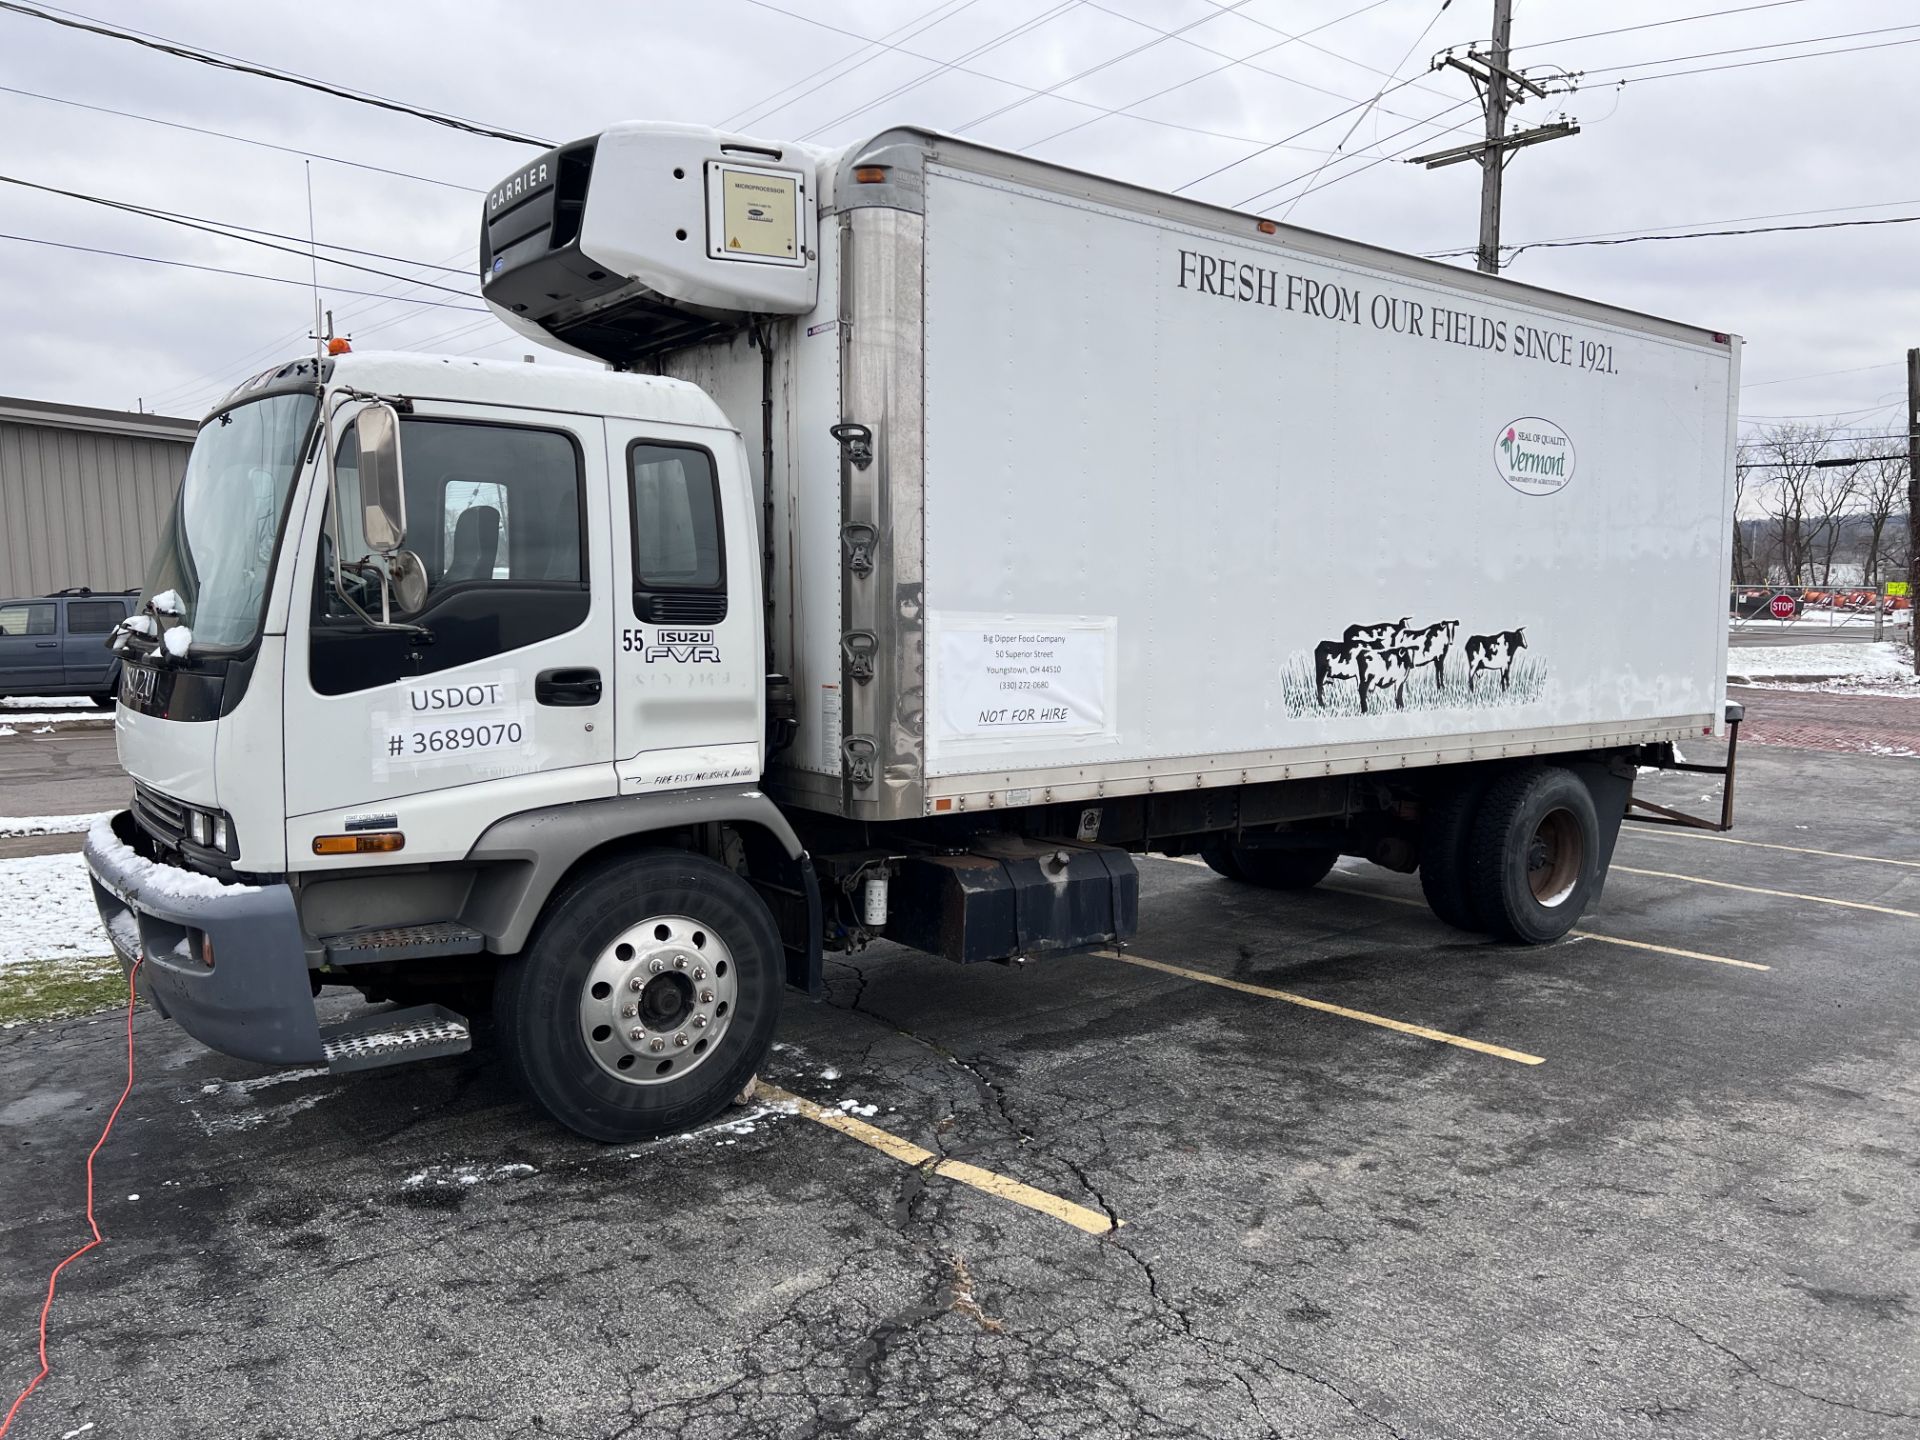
(1831, 496)
(1787, 494)
(1743, 560)
(1883, 496)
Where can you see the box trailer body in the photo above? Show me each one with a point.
(974, 526)
(1134, 462)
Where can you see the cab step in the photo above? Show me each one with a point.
(402, 942)
(395, 1037)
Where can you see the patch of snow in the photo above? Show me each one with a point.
(1874, 657)
(75, 1434)
(51, 718)
(167, 882)
(49, 909)
(167, 602)
(828, 1074)
(176, 641)
(262, 1082)
(45, 702)
(854, 1107)
(6, 730)
(448, 1176)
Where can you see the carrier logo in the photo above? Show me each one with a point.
(678, 647)
(1534, 456)
(516, 187)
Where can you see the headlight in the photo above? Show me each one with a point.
(222, 835)
(199, 827)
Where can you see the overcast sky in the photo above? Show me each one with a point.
(1832, 137)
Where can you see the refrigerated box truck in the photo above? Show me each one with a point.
(952, 529)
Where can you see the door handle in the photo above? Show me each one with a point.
(46, 644)
(572, 685)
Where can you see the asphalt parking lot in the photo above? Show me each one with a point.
(1666, 1187)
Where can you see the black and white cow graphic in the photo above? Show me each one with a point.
(1335, 660)
(1385, 672)
(1381, 636)
(1430, 646)
(1494, 652)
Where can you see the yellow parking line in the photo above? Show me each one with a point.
(1682, 835)
(1778, 894)
(1583, 934)
(1500, 1052)
(908, 1153)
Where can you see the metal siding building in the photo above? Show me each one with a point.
(83, 493)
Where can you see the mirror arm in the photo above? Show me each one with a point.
(386, 621)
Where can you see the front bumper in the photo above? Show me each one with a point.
(255, 1001)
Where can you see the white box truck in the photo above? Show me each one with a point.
(947, 529)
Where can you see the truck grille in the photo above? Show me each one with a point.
(163, 818)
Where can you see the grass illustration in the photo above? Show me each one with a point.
(1528, 683)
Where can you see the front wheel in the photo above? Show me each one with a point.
(1535, 855)
(646, 999)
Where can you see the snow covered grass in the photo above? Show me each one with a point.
(47, 912)
(48, 824)
(55, 989)
(1876, 661)
(1529, 682)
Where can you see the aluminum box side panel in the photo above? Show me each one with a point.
(1231, 482)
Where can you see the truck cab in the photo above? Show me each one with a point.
(388, 694)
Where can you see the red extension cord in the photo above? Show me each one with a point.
(93, 1224)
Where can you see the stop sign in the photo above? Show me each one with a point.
(1782, 607)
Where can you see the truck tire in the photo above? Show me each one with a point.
(1446, 844)
(1283, 869)
(1218, 853)
(663, 945)
(1534, 860)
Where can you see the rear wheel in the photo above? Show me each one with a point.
(1218, 853)
(1534, 861)
(1278, 869)
(647, 998)
(1446, 844)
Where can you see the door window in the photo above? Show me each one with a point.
(494, 516)
(19, 619)
(679, 564)
(94, 617)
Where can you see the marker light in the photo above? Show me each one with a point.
(339, 346)
(1267, 227)
(384, 843)
(870, 174)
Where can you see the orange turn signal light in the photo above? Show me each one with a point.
(1267, 227)
(870, 174)
(384, 843)
(339, 346)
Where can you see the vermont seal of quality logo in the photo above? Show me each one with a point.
(1534, 456)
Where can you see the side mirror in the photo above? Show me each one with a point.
(383, 494)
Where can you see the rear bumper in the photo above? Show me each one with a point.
(255, 1001)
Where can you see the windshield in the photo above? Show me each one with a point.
(218, 548)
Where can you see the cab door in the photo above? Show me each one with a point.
(688, 665)
(87, 663)
(503, 704)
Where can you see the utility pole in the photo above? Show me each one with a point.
(1499, 87)
(1913, 505)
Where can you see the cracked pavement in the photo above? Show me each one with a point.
(1697, 1218)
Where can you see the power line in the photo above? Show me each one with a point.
(1749, 49)
(1433, 120)
(1819, 375)
(877, 47)
(1587, 80)
(224, 270)
(1683, 224)
(1247, 61)
(1367, 109)
(72, 20)
(240, 139)
(1656, 24)
(1283, 141)
(1301, 38)
(1515, 251)
(201, 221)
(213, 228)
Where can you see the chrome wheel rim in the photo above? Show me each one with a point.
(1555, 856)
(658, 1000)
